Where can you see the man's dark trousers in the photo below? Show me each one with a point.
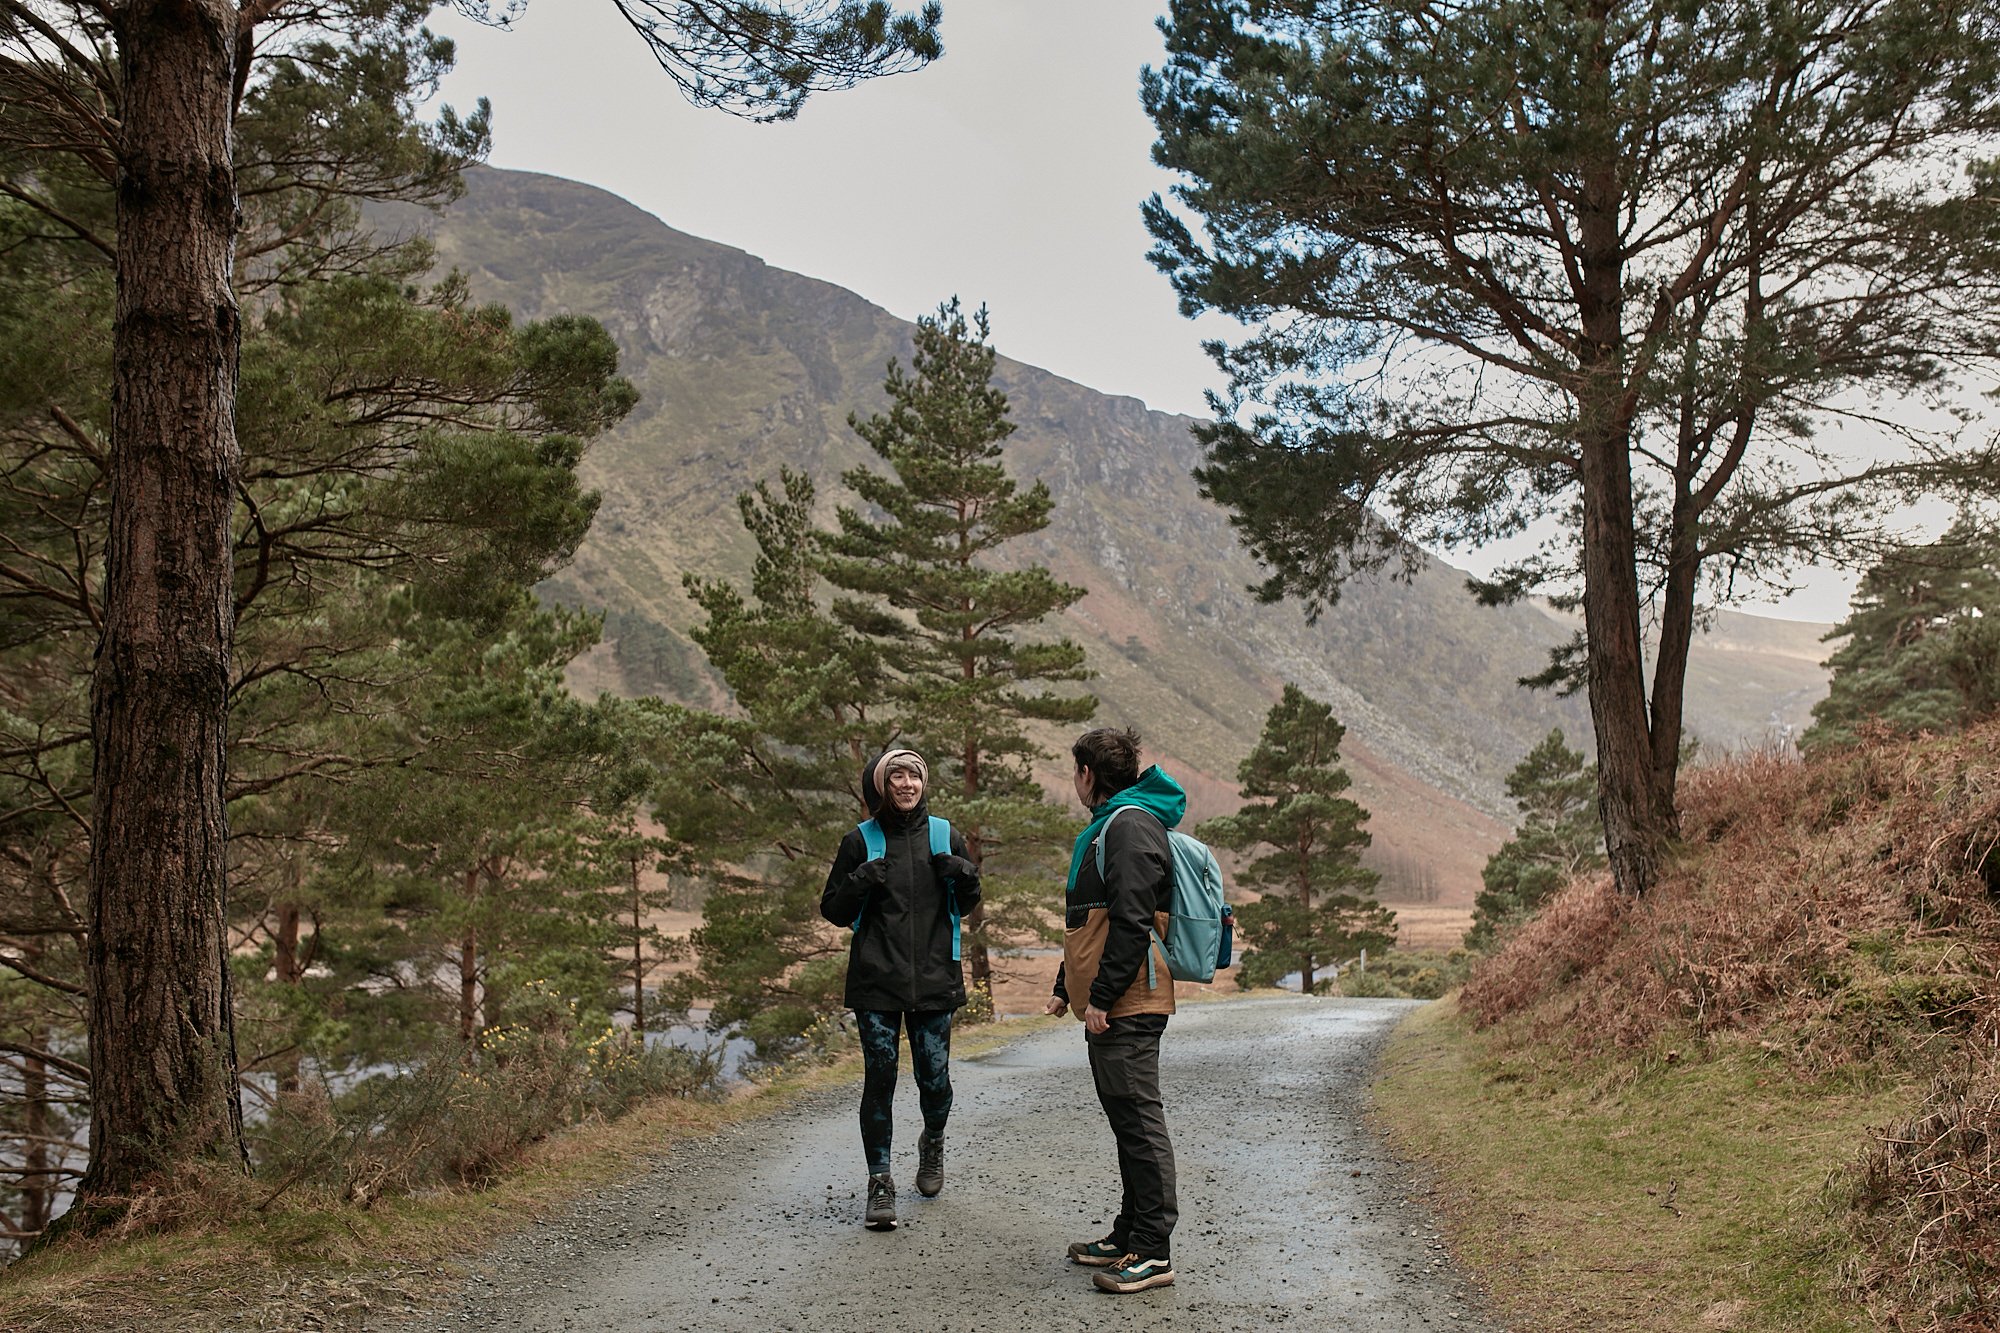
(1125, 1064)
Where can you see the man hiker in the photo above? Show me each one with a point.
(1114, 977)
(901, 880)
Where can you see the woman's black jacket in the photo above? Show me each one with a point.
(900, 957)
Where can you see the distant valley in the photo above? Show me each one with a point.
(744, 367)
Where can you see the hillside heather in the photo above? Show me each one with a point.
(1837, 918)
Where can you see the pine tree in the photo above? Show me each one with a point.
(493, 857)
(394, 440)
(1600, 269)
(1558, 837)
(1318, 902)
(1922, 650)
(968, 682)
(145, 97)
(759, 803)
(626, 793)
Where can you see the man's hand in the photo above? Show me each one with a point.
(1095, 1020)
(1056, 1005)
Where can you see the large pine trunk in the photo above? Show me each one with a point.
(163, 1048)
(979, 963)
(1306, 977)
(1636, 827)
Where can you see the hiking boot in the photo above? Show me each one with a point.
(881, 1214)
(1097, 1253)
(1135, 1273)
(930, 1164)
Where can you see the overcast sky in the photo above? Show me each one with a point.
(1010, 173)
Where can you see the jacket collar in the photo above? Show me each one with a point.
(1155, 793)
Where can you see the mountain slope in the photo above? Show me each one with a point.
(744, 367)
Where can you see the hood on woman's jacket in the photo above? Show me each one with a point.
(875, 786)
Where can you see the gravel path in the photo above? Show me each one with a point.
(1291, 1214)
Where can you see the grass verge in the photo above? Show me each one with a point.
(1607, 1197)
(336, 1267)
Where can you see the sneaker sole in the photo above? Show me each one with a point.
(889, 1225)
(1105, 1282)
(1093, 1261)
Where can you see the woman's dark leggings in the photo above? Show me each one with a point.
(930, 1056)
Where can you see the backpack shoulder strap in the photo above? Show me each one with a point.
(1153, 936)
(941, 846)
(876, 845)
(1102, 834)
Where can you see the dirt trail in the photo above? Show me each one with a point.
(1291, 1213)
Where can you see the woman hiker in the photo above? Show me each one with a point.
(902, 881)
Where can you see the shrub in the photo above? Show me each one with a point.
(1370, 985)
(1841, 913)
(1925, 1200)
(458, 1113)
(1397, 975)
(1798, 908)
(978, 1005)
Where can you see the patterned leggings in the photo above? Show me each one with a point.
(930, 1056)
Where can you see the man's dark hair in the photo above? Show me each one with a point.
(1111, 755)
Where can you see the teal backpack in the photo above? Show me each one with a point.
(1200, 923)
(877, 844)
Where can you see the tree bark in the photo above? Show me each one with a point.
(37, 1187)
(1306, 901)
(468, 987)
(1632, 830)
(1614, 648)
(290, 967)
(286, 963)
(979, 963)
(1670, 659)
(638, 957)
(163, 1046)
(468, 969)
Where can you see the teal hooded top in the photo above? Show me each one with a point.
(1123, 949)
(1155, 793)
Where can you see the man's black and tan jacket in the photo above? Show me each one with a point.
(1106, 938)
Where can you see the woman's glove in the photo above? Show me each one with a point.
(872, 874)
(955, 867)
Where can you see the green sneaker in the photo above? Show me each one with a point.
(881, 1215)
(1097, 1253)
(1135, 1273)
